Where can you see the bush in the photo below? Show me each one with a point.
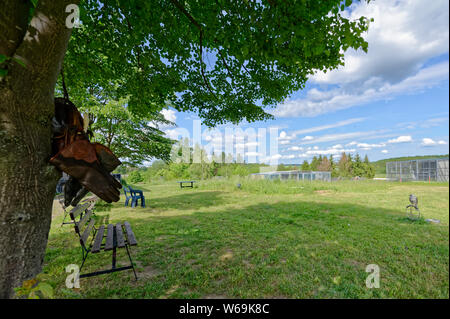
(135, 177)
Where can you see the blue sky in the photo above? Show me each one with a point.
(393, 101)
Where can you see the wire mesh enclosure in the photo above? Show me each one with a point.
(435, 169)
(294, 175)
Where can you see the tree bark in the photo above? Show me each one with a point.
(27, 181)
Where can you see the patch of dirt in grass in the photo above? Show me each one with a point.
(323, 192)
(56, 209)
(227, 256)
(170, 291)
(213, 296)
(149, 272)
(355, 263)
(278, 297)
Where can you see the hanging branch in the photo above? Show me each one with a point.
(199, 27)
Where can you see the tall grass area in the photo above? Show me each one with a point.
(269, 239)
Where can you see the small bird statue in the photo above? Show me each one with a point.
(414, 204)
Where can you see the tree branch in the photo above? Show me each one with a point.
(199, 27)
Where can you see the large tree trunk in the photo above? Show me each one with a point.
(27, 181)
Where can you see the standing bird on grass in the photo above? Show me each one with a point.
(414, 202)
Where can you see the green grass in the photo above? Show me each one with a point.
(269, 240)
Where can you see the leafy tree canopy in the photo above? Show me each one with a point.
(133, 138)
(226, 60)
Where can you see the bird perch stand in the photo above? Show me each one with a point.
(412, 210)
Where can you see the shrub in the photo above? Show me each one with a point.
(135, 177)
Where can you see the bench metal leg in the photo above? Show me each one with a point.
(131, 261)
(101, 272)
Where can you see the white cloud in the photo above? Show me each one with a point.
(367, 147)
(329, 151)
(384, 151)
(308, 138)
(295, 148)
(328, 126)
(252, 154)
(346, 136)
(401, 139)
(169, 115)
(177, 133)
(403, 37)
(371, 90)
(430, 142)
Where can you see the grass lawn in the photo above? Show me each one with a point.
(268, 240)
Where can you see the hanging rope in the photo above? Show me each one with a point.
(66, 95)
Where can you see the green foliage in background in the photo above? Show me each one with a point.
(135, 177)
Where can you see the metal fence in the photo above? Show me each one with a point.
(294, 175)
(435, 169)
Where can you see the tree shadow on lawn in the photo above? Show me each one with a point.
(191, 200)
(287, 249)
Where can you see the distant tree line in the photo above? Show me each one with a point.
(194, 163)
(347, 166)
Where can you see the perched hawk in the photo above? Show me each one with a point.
(414, 201)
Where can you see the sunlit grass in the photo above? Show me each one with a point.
(269, 239)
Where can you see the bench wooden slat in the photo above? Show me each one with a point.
(87, 231)
(90, 199)
(109, 237)
(83, 221)
(78, 210)
(119, 233)
(130, 235)
(98, 239)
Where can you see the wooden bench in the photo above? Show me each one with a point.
(105, 238)
(60, 199)
(186, 182)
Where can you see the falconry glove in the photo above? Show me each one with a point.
(89, 165)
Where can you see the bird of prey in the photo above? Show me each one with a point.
(414, 201)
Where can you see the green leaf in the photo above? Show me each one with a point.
(3, 58)
(45, 289)
(3, 72)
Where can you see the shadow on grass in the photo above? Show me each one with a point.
(289, 250)
(188, 200)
